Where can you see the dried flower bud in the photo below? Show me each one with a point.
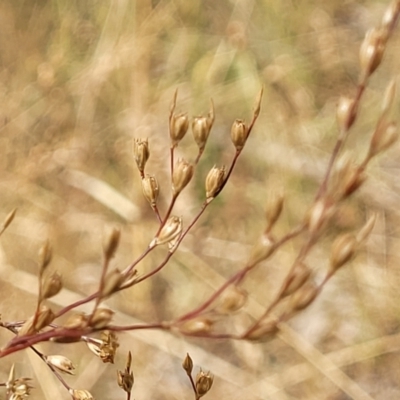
(150, 189)
(181, 176)
(80, 394)
(18, 388)
(45, 255)
(391, 15)
(296, 279)
(318, 215)
(204, 382)
(197, 326)
(201, 127)
(343, 250)
(303, 297)
(187, 364)
(388, 97)
(346, 113)
(44, 317)
(214, 182)
(273, 210)
(239, 134)
(265, 331)
(365, 231)
(61, 363)
(385, 135)
(170, 231)
(141, 153)
(100, 318)
(372, 49)
(262, 250)
(125, 379)
(104, 348)
(231, 300)
(111, 245)
(112, 282)
(51, 285)
(179, 125)
(354, 179)
(76, 321)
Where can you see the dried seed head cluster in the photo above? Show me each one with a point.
(298, 290)
(17, 388)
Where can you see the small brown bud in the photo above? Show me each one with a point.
(150, 189)
(61, 363)
(45, 255)
(125, 378)
(264, 332)
(45, 317)
(179, 125)
(346, 113)
(303, 297)
(112, 282)
(372, 49)
(354, 179)
(214, 182)
(51, 285)
(80, 394)
(239, 134)
(385, 135)
(100, 318)
(263, 249)
(181, 176)
(365, 231)
(231, 300)
(204, 382)
(170, 231)
(318, 215)
(111, 245)
(296, 279)
(273, 210)
(201, 127)
(391, 15)
(343, 250)
(76, 321)
(187, 364)
(141, 153)
(125, 381)
(200, 325)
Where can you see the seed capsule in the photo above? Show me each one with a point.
(182, 175)
(214, 182)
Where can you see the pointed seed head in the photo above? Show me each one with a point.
(61, 363)
(141, 153)
(150, 189)
(214, 182)
(204, 382)
(187, 364)
(239, 134)
(182, 175)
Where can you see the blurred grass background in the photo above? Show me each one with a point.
(80, 79)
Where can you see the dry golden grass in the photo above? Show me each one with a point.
(80, 79)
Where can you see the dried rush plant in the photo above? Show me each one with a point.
(297, 291)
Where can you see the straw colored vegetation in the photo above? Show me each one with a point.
(199, 199)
